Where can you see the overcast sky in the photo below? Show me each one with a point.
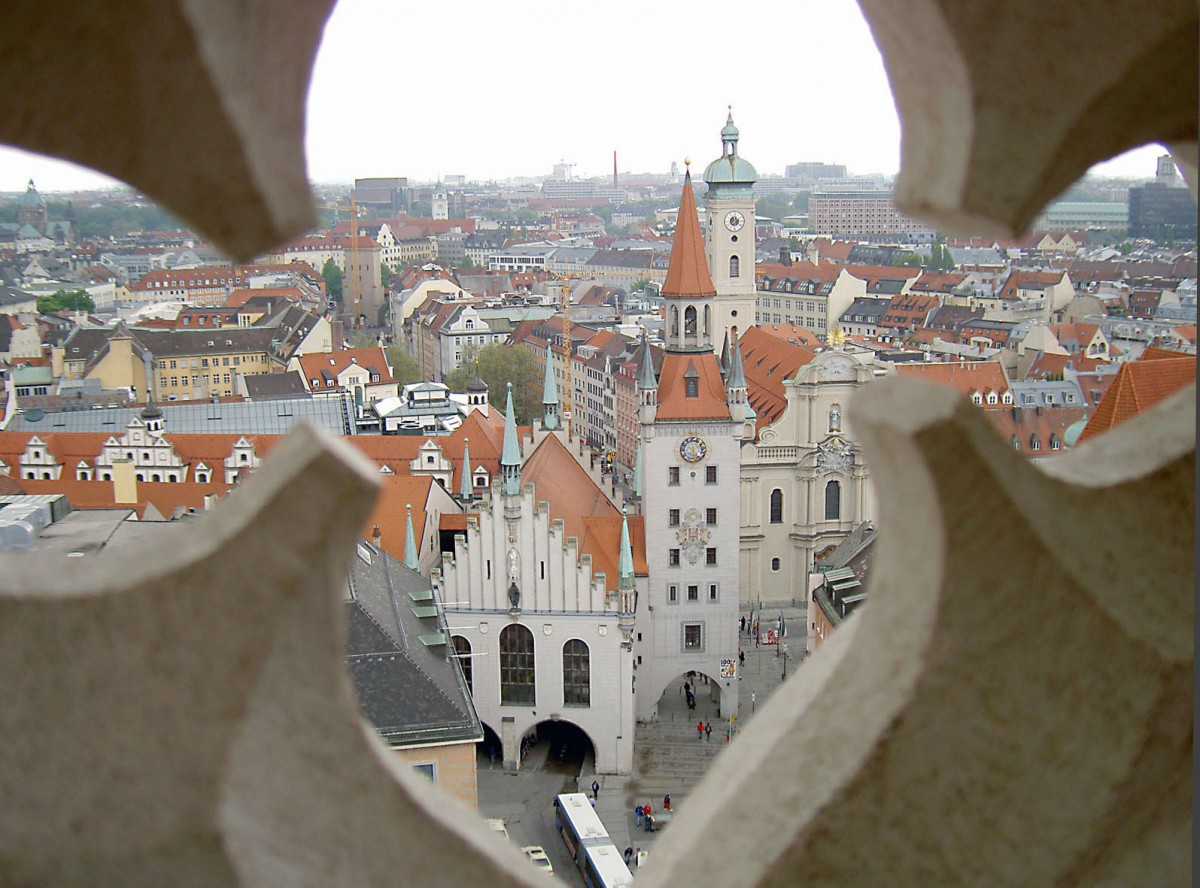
(495, 90)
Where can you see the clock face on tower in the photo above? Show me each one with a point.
(734, 220)
(693, 448)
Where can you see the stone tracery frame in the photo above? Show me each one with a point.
(932, 729)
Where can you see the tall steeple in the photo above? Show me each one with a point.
(510, 453)
(625, 577)
(647, 383)
(466, 484)
(730, 235)
(549, 398)
(410, 541)
(688, 290)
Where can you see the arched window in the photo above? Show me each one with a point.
(689, 321)
(707, 320)
(674, 320)
(775, 564)
(577, 687)
(777, 506)
(462, 647)
(833, 501)
(735, 266)
(516, 666)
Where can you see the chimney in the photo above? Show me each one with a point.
(376, 535)
(785, 255)
(336, 333)
(124, 483)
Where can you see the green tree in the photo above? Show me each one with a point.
(422, 208)
(359, 339)
(385, 273)
(405, 369)
(467, 262)
(333, 279)
(66, 300)
(498, 366)
(640, 284)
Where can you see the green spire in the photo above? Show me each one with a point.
(466, 484)
(625, 562)
(410, 542)
(510, 454)
(550, 395)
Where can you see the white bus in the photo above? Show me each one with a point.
(588, 841)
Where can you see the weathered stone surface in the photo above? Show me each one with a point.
(1013, 706)
(1005, 103)
(185, 718)
(198, 103)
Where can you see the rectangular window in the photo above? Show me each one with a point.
(204, 362)
(673, 475)
(710, 474)
(710, 516)
(673, 518)
(693, 637)
(673, 557)
(712, 591)
(710, 556)
(693, 593)
(428, 769)
(672, 594)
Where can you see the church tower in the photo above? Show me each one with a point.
(690, 444)
(730, 236)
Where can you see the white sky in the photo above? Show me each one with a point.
(493, 90)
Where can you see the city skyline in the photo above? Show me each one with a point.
(509, 96)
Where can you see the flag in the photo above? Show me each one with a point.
(782, 627)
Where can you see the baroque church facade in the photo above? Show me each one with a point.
(804, 484)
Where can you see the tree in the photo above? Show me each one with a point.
(498, 366)
(359, 339)
(640, 284)
(66, 300)
(385, 273)
(467, 262)
(333, 279)
(405, 369)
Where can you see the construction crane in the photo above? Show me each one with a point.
(355, 303)
(568, 386)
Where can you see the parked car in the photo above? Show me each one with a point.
(537, 856)
(498, 825)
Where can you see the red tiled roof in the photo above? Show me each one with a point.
(335, 362)
(1019, 279)
(767, 360)
(966, 377)
(688, 274)
(710, 402)
(1138, 387)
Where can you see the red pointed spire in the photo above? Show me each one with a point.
(688, 274)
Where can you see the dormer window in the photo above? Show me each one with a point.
(991, 398)
(976, 398)
(692, 387)
(1008, 398)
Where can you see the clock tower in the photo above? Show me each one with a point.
(692, 420)
(730, 237)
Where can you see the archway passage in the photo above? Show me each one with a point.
(489, 752)
(565, 747)
(690, 698)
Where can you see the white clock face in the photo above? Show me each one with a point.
(693, 448)
(734, 220)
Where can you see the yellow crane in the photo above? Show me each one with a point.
(352, 259)
(568, 386)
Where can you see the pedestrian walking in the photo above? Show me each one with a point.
(667, 802)
(628, 855)
(741, 657)
(708, 730)
(638, 856)
(687, 688)
(753, 698)
(595, 790)
(699, 730)
(637, 813)
(741, 625)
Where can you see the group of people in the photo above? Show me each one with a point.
(749, 625)
(703, 728)
(634, 857)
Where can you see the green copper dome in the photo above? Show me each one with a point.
(729, 169)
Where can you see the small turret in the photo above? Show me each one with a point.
(410, 541)
(466, 484)
(510, 453)
(550, 417)
(647, 384)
